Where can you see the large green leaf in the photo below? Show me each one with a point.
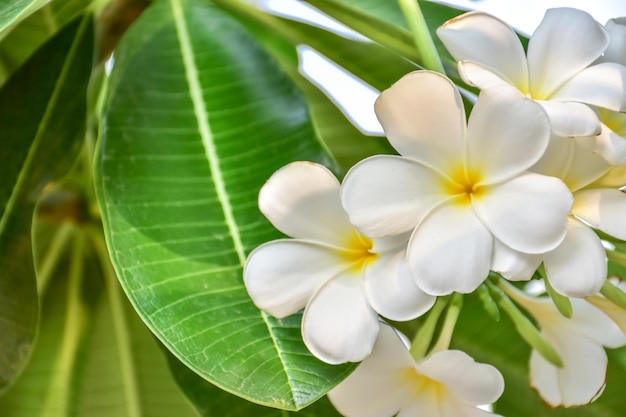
(94, 357)
(197, 118)
(499, 345)
(42, 114)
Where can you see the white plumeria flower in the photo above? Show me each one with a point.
(457, 188)
(556, 71)
(341, 278)
(578, 266)
(448, 383)
(580, 342)
(611, 142)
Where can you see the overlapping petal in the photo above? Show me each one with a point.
(480, 37)
(527, 213)
(428, 130)
(600, 85)
(514, 265)
(338, 324)
(565, 42)
(506, 134)
(481, 76)
(577, 267)
(450, 250)
(473, 383)
(389, 195)
(282, 275)
(603, 208)
(446, 384)
(616, 51)
(374, 389)
(391, 290)
(609, 144)
(302, 200)
(570, 119)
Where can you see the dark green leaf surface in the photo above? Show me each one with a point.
(42, 114)
(198, 117)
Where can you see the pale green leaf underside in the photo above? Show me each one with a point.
(197, 118)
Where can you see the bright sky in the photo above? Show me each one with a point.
(357, 100)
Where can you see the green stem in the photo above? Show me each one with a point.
(617, 257)
(454, 309)
(59, 397)
(561, 302)
(51, 259)
(421, 35)
(422, 339)
(613, 294)
(501, 291)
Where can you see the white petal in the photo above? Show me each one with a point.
(527, 213)
(601, 85)
(557, 159)
(577, 267)
(585, 168)
(281, 276)
(388, 195)
(581, 378)
(616, 51)
(615, 178)
(514, 265)
(615, 312)
(424, 118)
(480, 37)
(338, 324)
(564, 43)
(604, 209)
(302, 201)
(609, 144)
(391, 289)
(374, 388)
(474, 383)
(507, 133)
(571, 119)
(450, 250)
(481, 76)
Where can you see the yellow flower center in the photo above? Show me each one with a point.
(424, 386)
(358, 251)
(465, 185)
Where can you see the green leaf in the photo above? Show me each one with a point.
(34, 31)
(13, 11)
(197, 118)
(94, 357)
(211, 401)
(281, 37)
(397, 39)
(42, 114)
(501, 346)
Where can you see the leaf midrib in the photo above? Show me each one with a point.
(202, 118)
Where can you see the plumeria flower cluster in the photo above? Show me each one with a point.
(522, 188)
